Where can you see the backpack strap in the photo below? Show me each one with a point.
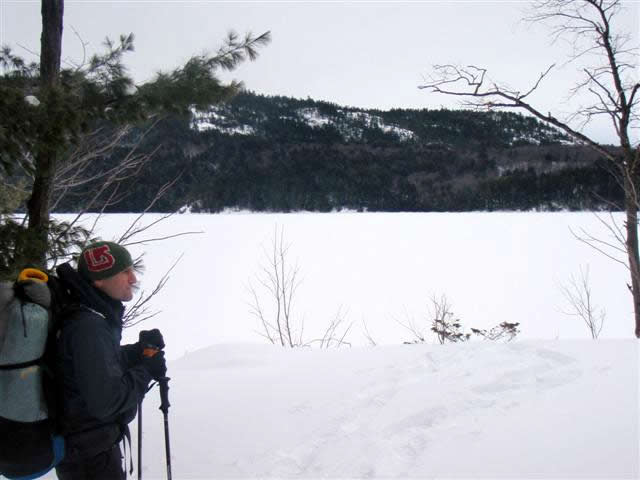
(18, 366)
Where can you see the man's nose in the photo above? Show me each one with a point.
(132, 278)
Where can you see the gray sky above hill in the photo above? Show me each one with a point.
(363, 54)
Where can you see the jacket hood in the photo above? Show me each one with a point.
(82, 293)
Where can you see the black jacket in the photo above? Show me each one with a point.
(99, 382)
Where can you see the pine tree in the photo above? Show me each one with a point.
(45, 110)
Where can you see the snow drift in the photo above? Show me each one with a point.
(553, 409)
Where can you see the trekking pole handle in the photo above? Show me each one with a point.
(164, 394)
(149, 350)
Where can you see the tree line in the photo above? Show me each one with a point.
(286, 164)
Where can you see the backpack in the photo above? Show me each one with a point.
(29, 445)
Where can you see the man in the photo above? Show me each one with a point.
(100, 382)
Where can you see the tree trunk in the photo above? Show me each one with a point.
(631, 206)
(46, 156)
(51, 41)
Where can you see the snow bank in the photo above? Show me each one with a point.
(554, 409)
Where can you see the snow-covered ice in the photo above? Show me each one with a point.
(380, 269)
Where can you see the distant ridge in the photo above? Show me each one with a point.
(274, 153)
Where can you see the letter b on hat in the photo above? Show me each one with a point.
(98, 258)
(102, 260)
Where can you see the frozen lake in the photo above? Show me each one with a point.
(378, 269)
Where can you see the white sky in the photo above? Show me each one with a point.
(364, 54)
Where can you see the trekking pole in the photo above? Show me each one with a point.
(147, 351)
(140, 432)
(164, 406)
(140, 440)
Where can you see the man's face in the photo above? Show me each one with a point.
(120, 286)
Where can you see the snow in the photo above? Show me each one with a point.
(401, 133)
(370, 121)
(313, 117)
(32, 100)
(551, 404)
(555, 409)
(213, 120)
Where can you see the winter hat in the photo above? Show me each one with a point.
(102, 260)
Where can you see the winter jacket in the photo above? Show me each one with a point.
(99, 382)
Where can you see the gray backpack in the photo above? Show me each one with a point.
(29, 447)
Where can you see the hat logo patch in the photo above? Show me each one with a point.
(99, 259)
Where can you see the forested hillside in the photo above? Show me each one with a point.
(281, 154)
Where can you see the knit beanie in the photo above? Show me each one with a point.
(102, 260)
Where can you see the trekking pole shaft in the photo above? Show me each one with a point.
(167, 446)
(140, 440)
(164, 406)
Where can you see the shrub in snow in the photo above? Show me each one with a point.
(449, 329)
(505, 331)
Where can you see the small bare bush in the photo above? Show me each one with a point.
(578, 295)
(505, 331)
(446, 327)
(279, 281)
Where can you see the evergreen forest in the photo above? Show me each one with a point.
(269, 153)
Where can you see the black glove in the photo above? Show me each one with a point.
(156, 365)
(151, 338)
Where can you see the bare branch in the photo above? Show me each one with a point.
(368, 335)
(159, 239)
(139, 312)
(595, 243)
(410, 325)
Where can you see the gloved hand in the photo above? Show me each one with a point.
(156, 365)
(151, 338)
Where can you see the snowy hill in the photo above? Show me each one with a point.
(556, 409)
(260, 115)
(283, 154)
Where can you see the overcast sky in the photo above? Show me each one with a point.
(364, 54)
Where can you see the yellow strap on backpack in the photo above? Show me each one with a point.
(32, 274)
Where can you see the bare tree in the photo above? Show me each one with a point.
(578, 294)
(610, 80)
(280, 281)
